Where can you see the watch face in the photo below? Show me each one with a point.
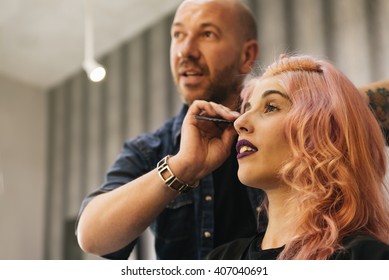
(199, 117)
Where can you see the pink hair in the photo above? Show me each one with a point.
(337, 171)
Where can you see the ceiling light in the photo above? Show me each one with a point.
(93, 69)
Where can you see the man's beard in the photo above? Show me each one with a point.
(225, 83)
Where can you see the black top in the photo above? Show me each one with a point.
(357, 247)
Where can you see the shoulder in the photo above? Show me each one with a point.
(363, 247)
(233, 250)
(148, 142)
(171, 127)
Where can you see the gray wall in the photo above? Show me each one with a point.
(22, 170)
(89, 122)
(86, 123)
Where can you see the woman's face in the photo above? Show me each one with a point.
(262, 147)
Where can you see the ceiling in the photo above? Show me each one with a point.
(42, 41)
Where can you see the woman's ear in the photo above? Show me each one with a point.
(249, 56)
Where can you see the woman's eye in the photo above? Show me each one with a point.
(270, 108)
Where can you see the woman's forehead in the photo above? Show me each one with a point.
(261, 86)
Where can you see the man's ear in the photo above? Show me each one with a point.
(249, 56)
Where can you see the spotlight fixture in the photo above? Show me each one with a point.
(93, 69)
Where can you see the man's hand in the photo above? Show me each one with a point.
(205, 144)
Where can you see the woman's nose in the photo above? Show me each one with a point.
(241, 125)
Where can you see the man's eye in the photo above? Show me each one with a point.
(177, 34)
(208, 34)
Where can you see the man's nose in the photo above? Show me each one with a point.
(190, 48)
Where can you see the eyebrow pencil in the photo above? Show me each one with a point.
(219, 120)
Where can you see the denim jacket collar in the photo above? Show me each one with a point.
(177, 124)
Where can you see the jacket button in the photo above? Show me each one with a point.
(207, 234)
(208, 198)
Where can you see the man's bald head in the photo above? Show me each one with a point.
(245, 20)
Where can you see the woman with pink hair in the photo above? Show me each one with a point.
(306, 138)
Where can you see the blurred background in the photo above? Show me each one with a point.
(60, 131)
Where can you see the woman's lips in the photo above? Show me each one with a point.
(245, 148)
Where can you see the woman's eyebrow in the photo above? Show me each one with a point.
(274, 91)
(247, 105)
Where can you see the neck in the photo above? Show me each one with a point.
(278, 233)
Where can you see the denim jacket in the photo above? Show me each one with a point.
(184, 229)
